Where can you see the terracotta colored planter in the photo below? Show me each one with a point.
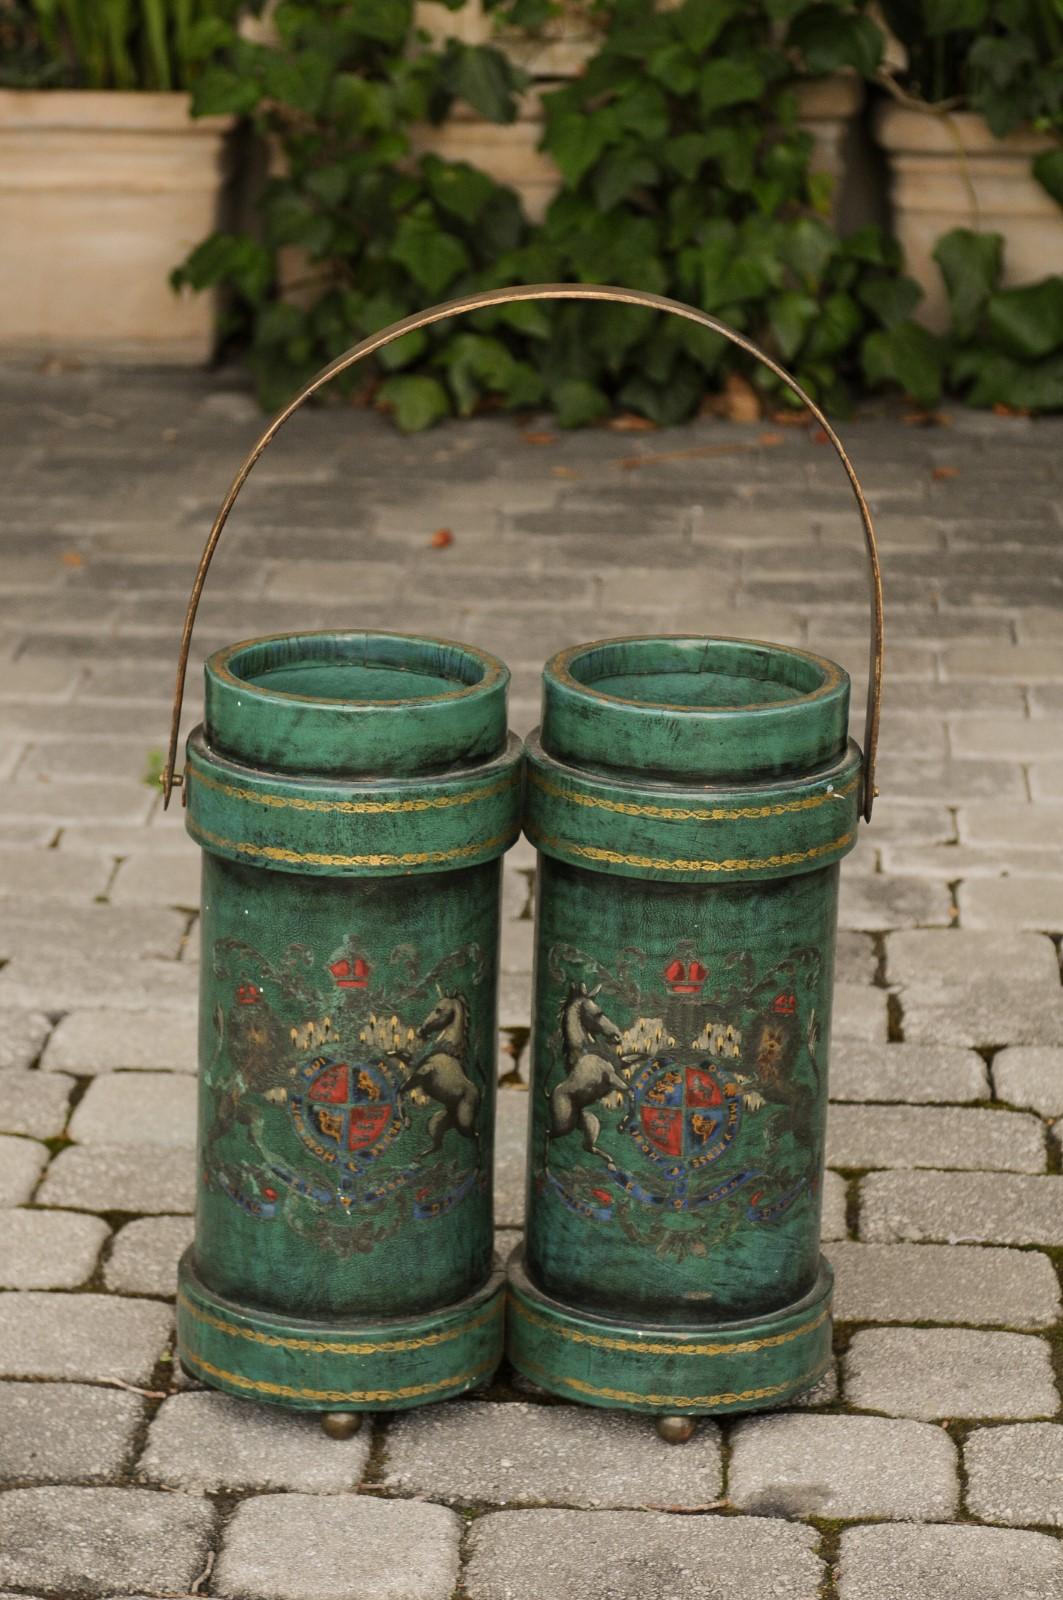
(950, 172)
(101, 196)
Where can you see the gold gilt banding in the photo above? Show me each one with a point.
(346, 1347)
(669, 1347)
(676, 1402)
(315, 858)
(411, 1391)
(351, 808)
(592, 852)
(690, 814)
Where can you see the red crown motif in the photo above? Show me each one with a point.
(684, 979)
(785, 1004)
(248, 994)
(350, 974)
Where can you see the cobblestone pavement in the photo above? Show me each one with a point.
(932, 1463)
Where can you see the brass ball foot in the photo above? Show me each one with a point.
(677, 1430)
(341, 1424)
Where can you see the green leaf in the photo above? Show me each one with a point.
(674, 66)
(431, 257)
(415, 402)
(576, 402)
(952, 16)
(686, 154)
(701, 21)
(728, 81)
(834, 330)
(1028, 322)
(891, 300)
(665, 403)
(403, 352)
(907, 355)
(620, 172)
(476, 363)
(644, 111)
(575, 142)
(830, 39)
(807, 246)
(384, 21)
(789, 316)
(1048, 170)
(458, 188)
(484, 77)
(328, 184)
(970, 265)
(230, 259)
(221, 93)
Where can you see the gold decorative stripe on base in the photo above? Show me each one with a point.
(284, 1391)
(676, 1402)
(347, 1347)
(690, 814)
(588, 852)
(559, 1330)
(314, 858)
(443, 802)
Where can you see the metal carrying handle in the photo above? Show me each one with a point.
(503, 297)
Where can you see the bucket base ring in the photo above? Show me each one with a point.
(678, 1371)
(338, 1364)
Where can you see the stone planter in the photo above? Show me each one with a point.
(101, 196)
(950, 172)
(829, 109)
(506, 151)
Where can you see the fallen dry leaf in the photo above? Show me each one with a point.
(1001, 410)
(741, 401)
(564, 472)
(539, 438)
(770, 438)
(628, 422)
(71, 558)
(940, 473)
(441, 538)
(821, 436)
(791, 419)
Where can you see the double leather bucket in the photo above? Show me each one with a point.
(353, 793)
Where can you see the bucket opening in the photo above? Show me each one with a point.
(704, 674)
(357, 668)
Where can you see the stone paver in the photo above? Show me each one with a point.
(961, 1208)
(87, 1042)
(158, 880)
(960, 1563)
(943, 959)
(211, 1442)
(298, 1546)
(66, 1432)
(98, 1541)
(606, 1555)
(145, 1178)
(1023, 1076)
(913, 1074)
(33, 1104)
(94, 1337)
(137, 1108)
(22, 1033)
(950, 1372)
(21, 1163)
(933, 1136)
(511, 1140)
(1012, 903)
(927, 957)
(144, 1256)
(49, 1249)
(1015, 1473)
(860, 1013)
(943, 1283)
(843, 1467)
(477, 1453)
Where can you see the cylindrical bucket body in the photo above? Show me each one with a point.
(353, 795)
(691, 801)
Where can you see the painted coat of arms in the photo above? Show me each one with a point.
(346, 1099)
(674, 1088)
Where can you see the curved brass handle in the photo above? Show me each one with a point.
(502, 297)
